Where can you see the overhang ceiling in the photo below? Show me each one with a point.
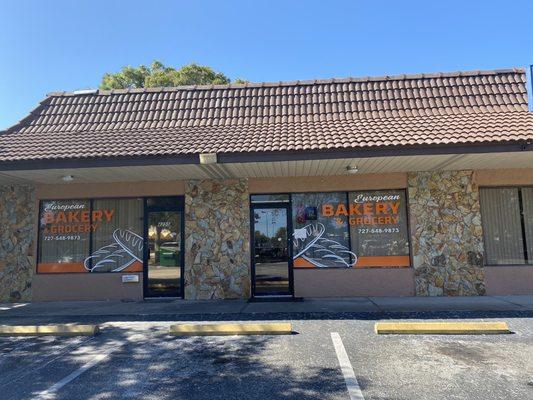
(273, 169)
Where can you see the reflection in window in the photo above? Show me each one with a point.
(164, 253)
(164, 238)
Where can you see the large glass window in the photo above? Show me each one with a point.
(507, 215)
(117, 241)
(90, 236)
(64, 235)
(345, 230)
(320, 231)
(378, 228)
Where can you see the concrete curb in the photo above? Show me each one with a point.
(271, 328)
(49, 330)
(441, 328)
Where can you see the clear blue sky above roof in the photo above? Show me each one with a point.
(65, 45)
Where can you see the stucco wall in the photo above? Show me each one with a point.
(74, 287)
(509, 280)
(446, 234)
(217, 239)
(328, 183)
(354, 282)
(115, 189)
(17, 242)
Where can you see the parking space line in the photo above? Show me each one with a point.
(40, 364)
(346, 367)
(50, 393)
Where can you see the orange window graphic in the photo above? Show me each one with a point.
(354, 230)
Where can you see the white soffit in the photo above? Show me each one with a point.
(274, 169)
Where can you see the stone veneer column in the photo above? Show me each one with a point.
(217, 239)
(446, 234)
(17, 242)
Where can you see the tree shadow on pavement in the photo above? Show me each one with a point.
(147, 363)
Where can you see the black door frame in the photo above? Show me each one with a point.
(288, 208)
(146, 246)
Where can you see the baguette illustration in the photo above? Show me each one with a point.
(127, 247)
(311, 245)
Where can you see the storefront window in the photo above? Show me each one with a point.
(117, 241)
(378, 228)
(346, 230)
(91, 236)
(320, 234)
(64, 235)
(507, 215)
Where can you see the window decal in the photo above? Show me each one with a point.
(126, 249)
(350, 230)
(325, 252)
(100, 235)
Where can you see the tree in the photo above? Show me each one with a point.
(159, 75)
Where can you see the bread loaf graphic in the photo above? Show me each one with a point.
(127, 247)
(310, 244)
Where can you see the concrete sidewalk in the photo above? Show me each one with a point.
(241, 309)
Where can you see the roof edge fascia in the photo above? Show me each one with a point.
(249, 157)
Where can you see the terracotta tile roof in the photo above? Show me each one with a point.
(355, 113)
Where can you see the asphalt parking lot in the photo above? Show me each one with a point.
(132, 360)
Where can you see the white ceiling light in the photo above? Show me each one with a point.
(208, 158)
(67, 178)
(352, 169)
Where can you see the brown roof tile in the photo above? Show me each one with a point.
(428, 109)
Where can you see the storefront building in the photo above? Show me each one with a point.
(391, 186)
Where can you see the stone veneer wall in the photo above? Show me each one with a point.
(17, 242)
(217, 239)
(446, 234)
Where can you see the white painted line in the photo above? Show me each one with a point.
(40, 364)
(50, 393)
(346, 367)
(7, 307)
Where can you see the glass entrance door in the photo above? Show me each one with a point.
(272, 260)
(164, 261)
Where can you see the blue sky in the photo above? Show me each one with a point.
(52, 45)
